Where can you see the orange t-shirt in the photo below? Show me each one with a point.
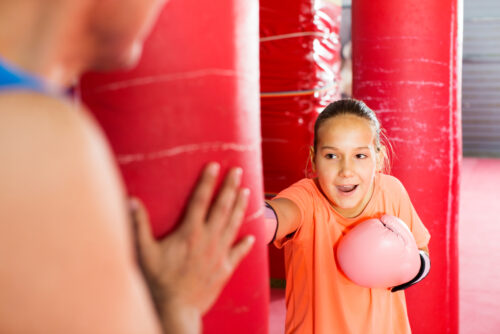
(319, 298)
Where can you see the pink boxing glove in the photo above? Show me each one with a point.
(379, 253)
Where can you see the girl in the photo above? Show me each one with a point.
(348, 158)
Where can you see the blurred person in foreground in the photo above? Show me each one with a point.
(68, 261)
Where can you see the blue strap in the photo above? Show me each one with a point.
(14, 78)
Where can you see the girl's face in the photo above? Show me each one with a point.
(346, 162)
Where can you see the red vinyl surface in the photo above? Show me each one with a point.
(406, 66)
(300, 75)
(194, 98)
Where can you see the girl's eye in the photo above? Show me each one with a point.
(361, 156)
(330, 156)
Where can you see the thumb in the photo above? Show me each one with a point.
(399, 227)
(143, 235)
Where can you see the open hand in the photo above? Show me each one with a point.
(188, 268)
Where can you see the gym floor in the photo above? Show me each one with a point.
(479, 249)
(479, 246)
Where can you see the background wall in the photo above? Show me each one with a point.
(481, 73)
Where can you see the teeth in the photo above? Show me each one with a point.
(346, 188)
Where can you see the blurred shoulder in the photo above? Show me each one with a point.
(37, 125)
(30, 100)
(54, 154)
(64, 217)
(39, 113)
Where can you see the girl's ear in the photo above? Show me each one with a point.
(311, 158)
(381, 154)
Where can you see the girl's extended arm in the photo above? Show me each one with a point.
(286, 218)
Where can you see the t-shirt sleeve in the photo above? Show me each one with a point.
(300, 194)
(408, 214)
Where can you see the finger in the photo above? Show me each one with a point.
(142, 228)
(225, 199)
(236, 218)
(239, 251)
(198, 205)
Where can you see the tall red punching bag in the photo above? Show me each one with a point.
(407, 67)
(194, 98)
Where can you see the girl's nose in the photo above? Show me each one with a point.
(346, 168)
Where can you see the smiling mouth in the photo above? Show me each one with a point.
(347, 188)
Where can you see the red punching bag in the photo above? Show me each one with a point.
(300, 75)
(194, 98)
(406, 66)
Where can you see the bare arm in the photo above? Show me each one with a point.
(288, 216)
(65, 249)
